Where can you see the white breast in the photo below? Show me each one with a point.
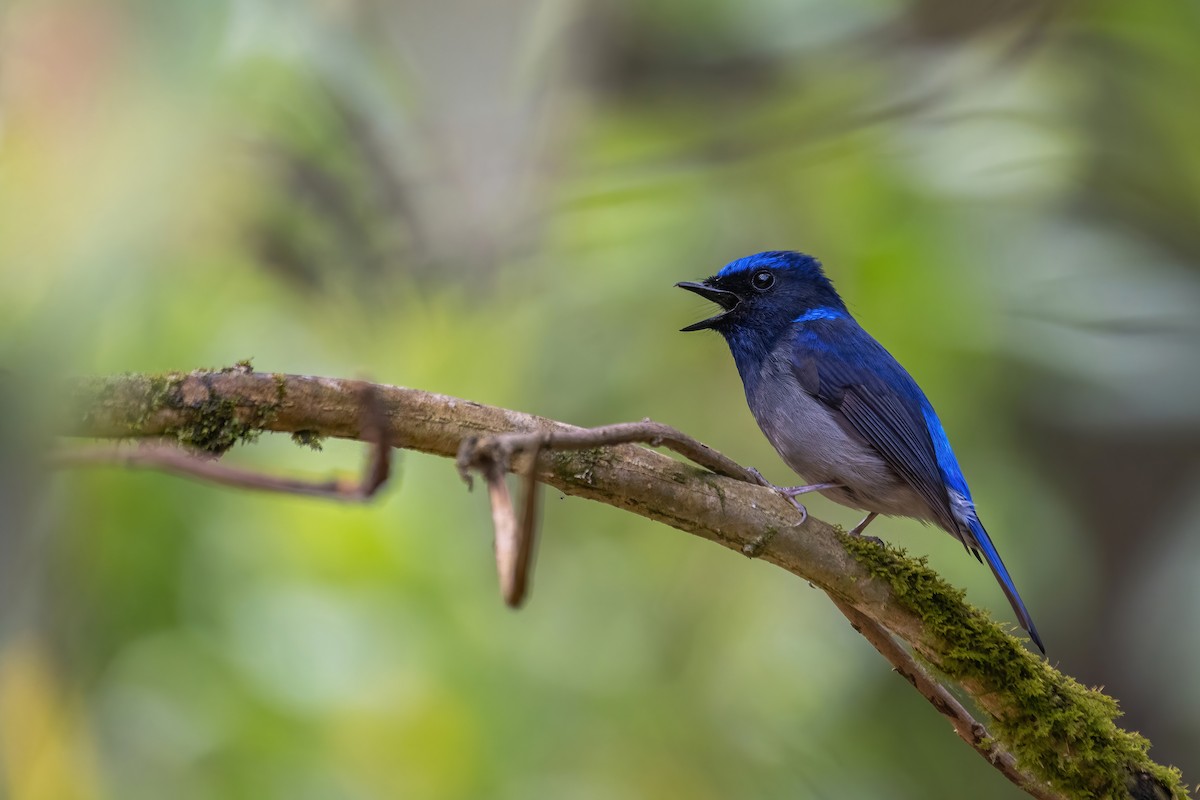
(810, 439)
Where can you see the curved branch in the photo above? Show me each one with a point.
(965, 725)
(1050, 735)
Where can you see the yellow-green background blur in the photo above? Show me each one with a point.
(492, 200)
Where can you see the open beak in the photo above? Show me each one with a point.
(726, 300)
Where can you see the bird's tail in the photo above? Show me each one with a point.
(984, 543)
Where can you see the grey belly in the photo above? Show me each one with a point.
(814, 444)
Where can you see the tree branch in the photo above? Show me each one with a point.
(171, 459)
(968, 729)
(1048, 734)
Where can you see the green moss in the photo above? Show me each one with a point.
(207, 421)
(309, 439)
(125, 401)
(1060, 730)
(160, 386)
(215, 425)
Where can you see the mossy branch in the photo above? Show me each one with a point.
(1046, 732)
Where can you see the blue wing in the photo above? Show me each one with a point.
(877, 401)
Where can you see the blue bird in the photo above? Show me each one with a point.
(836, 405)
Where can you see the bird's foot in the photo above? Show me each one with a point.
(790, 493)
(762, 480)
(858, 529)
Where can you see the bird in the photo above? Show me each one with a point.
(837, 407)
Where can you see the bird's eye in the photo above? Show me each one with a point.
(762, 280)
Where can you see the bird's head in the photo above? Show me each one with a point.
(765, 293)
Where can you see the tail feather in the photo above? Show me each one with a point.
(1005, 580)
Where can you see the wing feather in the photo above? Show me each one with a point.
(881, 405)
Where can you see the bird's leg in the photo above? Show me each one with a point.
(858, 529)
(790, 493)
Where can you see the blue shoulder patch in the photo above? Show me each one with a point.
(824, 312)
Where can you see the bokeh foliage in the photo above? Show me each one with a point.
(492, 200)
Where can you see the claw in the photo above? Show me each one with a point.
(762, 481)
(790, 493)
(858, 529)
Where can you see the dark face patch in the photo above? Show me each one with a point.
(767, 291)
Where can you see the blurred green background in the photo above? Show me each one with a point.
(493, 200)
